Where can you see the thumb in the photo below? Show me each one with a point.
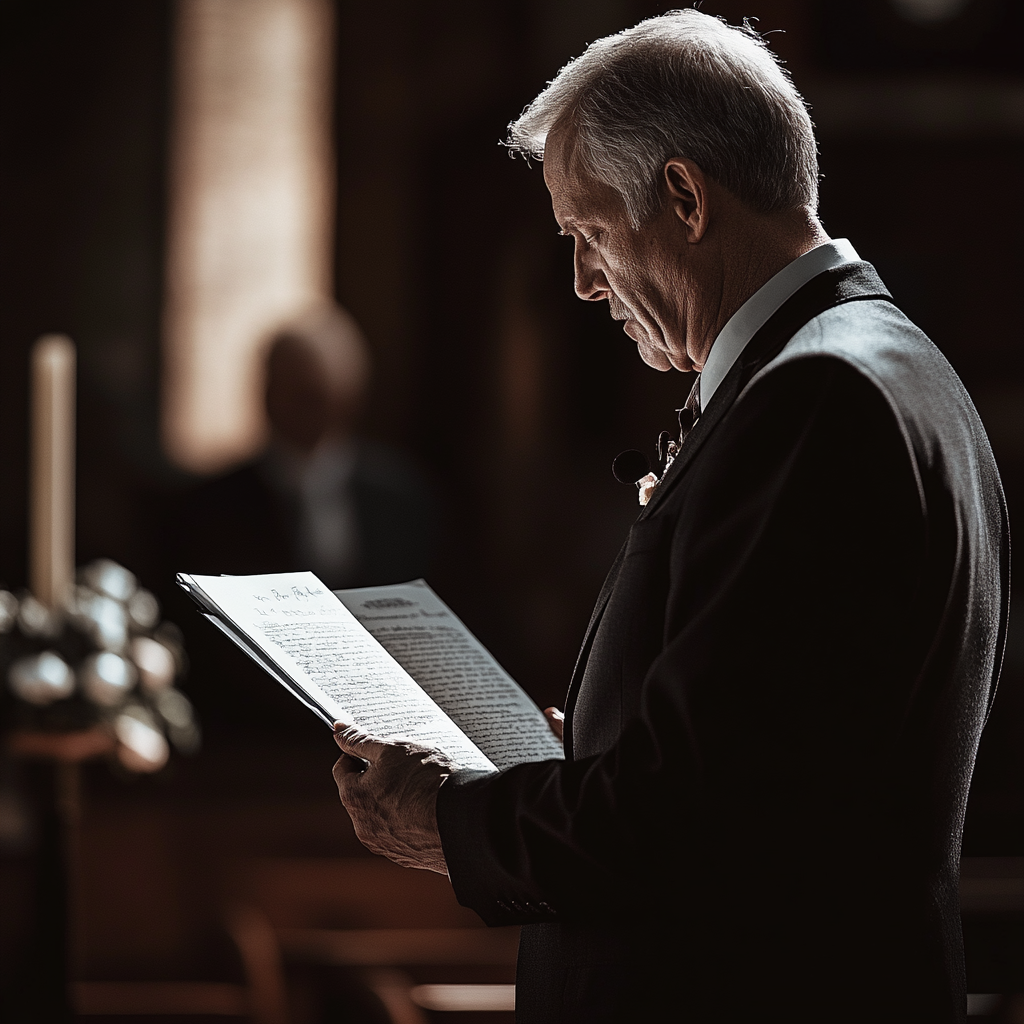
(356, 743)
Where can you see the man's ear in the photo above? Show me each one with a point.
(688, 195)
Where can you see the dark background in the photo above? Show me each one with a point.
(512, 395)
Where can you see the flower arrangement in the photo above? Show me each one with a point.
(103, 661)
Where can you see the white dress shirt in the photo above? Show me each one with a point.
(328, 530)
(754, 313)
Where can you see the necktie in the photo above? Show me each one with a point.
(631, 465)
(692, 407)
(688, 415)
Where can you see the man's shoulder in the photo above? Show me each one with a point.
(875, 341)
(872, 336)
(877, 350)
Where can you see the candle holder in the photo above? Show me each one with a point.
(100, 666)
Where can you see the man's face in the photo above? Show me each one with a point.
(298, 394)
(641, 272)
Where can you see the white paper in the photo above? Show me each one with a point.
(427, 639)
(318, 644)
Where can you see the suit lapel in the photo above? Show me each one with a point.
(847, 283)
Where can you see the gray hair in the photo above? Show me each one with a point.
(681, 84)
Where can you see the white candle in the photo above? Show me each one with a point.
(52, 519)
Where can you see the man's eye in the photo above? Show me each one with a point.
(587, 239)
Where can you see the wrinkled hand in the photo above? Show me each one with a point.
(555, 720)
(392, 799)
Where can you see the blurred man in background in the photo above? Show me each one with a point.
(318, 497)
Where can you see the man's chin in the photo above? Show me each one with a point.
(653, 357)
(681, 363)
(651, 354)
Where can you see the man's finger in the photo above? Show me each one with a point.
(358, 744)
(555, 719)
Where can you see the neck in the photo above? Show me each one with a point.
(741, 262)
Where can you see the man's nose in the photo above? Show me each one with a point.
(590, 282)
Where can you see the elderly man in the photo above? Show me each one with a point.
(770, 731)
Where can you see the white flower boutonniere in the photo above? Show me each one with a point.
(627, 466)
(646, 486)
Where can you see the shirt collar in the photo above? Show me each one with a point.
(326, 469)
(753, 314)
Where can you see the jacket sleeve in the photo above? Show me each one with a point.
(792, 619)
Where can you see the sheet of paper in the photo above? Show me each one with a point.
(295, 620)
(429, 641)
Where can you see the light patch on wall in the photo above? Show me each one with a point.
(930, 12)
(250, 232)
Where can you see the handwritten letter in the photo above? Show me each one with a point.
(426, 638)
(318, 644)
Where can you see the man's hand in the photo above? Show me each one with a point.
(555, 721)
(392, 798)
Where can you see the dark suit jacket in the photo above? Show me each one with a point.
(774, 717)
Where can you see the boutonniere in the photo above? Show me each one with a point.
(630, 467)
(633, 467)
(647, 486)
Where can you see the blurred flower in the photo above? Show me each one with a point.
(103, 620)
(109, 578)
(172, 638)
(8, 611)
(141, 744)
(36, 620)
(106, 678)
(182, 726)
(143, 609)
(41, 679)
(155, 663)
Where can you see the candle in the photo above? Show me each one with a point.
(52, 519)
